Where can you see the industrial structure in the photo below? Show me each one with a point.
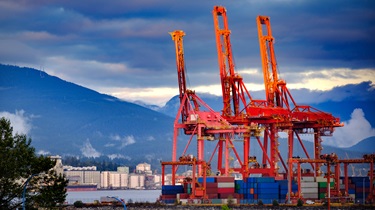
(246, 119)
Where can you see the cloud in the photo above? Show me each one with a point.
(354, 131)
(43, 152)
(119, 156)
(21, 124)
(89, 151)
(150, 138)
(124, 141)
(124, 48)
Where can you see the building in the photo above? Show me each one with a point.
(123, 169)
(83, 177)
(136, 181)
(59, 166)
(114, 180)
(143, 168)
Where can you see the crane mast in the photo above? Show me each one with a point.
(229, 80)
(269, 64)
(177, 37)
(303, 117)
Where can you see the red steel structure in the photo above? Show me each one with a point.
(304, 118)
(239, 108)
(243, 117)
(198, 120)
(333, 160)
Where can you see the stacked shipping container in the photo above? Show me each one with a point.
(250, 191)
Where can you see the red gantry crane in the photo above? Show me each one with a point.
(198, 120)
(304, 118)
(241, 109)
(243, 117)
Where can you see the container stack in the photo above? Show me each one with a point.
(309, 188)
(268, 190)
(211, 187)
(322, 187)
(252, 190)
(283, 190)
(226, 187)
(362, 188)
(219, 189)
(351, 188)
(169, 193)
(255, 189)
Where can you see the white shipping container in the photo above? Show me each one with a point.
(309, 184)
(309, 190)
(225, 184)
(307, 179)
(225, 201)
(322, 179)
(184, 201)
(310, 195)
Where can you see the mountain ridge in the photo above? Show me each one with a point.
(69, 119)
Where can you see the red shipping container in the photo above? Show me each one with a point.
(226, 195)
(255, 196)
(251, 190)
(225, 190)
(211, 190)
(212, 196)
(198, 192)
(166, 197)
(211, 185)
(224, 179)
(184, 196)
(322, 190)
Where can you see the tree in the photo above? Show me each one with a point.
(18, 162)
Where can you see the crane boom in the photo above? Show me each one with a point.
(269, 64)
(177, 37)
(226, 64)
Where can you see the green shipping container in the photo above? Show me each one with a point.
(321, 195)
(324, 184)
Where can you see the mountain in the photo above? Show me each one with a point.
(68, 119)
(361, 96)
(365, 146)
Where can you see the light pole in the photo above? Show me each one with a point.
(24, 191)
(123, 203)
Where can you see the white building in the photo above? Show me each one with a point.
(114, 180)
(59, 166)
(143, 168)
(123, 169)
(84, 177)
(136, 181)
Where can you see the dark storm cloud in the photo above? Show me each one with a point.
(126, 43)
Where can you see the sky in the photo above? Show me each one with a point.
(122, 48)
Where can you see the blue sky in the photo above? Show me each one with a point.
(122, 48)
